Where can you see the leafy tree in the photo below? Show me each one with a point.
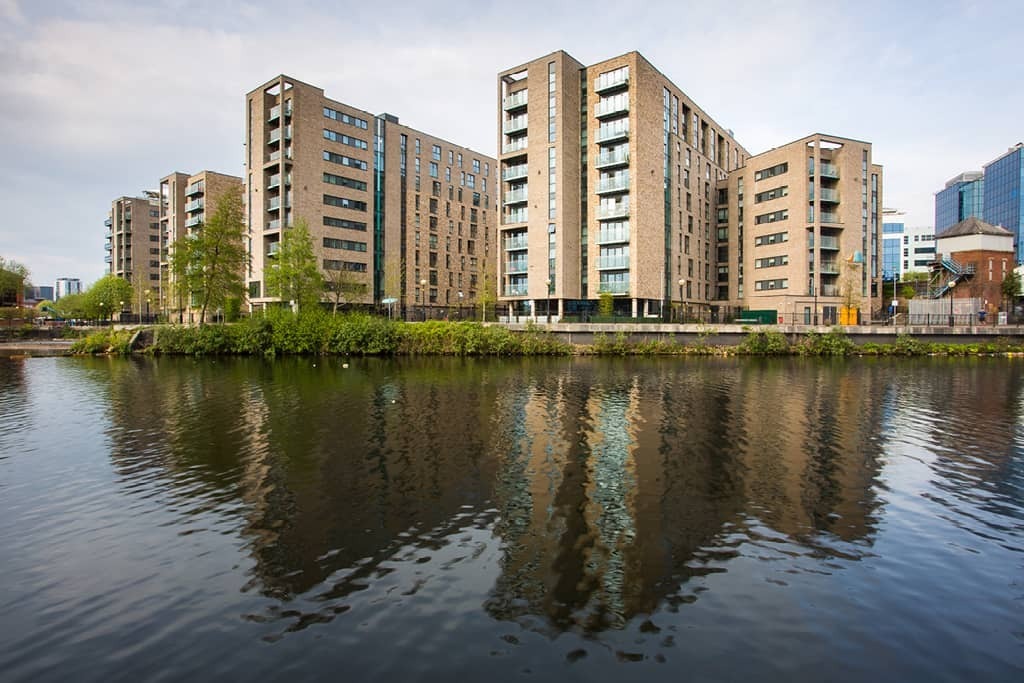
(343, 286)
(908, 291)
(294, 276)
(605, 304)
(13, 277)
(214, 257)
(106, 294)
(1011, 288)
(180, 262)
(71, 306)
(487, 294)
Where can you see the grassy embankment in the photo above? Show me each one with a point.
(282, 333)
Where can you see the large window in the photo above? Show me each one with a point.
(344, 139)
(345, 118)
(778, 169)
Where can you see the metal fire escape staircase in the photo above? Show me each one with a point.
(947, 273)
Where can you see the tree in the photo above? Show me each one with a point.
(1011, 288)
(106, 296)
(13, 278)
(908, 291)
(605, 304)
(487, 295)
(70, 306)
(294, 276)
(343, 286)
(180, 263)
(215, 257)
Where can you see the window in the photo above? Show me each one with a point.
(342, 223)
(344, 203)
(762, 285)
(773, 193)
(435, 152)
(774, 238)
(772, 261)
(330, 264)
(772, 217)
(433, 169)
(778, 169)
(332, 243)
(345, 118)
(344, 182)
(344, 139)
(344, 160)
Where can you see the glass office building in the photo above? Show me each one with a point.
(1004, 203)
(963, 197)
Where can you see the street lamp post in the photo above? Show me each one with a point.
(102, 304)
(952, 320)
(547, 299)
(682, 300)
(423, 297)
(460, 304)
(120, 313)
(814, 291)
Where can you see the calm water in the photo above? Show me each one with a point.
(569, 519)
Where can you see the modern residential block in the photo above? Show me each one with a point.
(394, 213)
(905, 248)
(803, 225)
(65, 286)
(133, 239)
(608, 178)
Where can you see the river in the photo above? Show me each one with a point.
(571, 519)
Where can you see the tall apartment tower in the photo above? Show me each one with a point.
(186, 202)
(805, 219)
(65, 286)
(404, 215)
(133, 239)
(961, 198)
(608, 177)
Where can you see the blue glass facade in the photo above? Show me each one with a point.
(892, 249)
(959, 201)
(1004, 203)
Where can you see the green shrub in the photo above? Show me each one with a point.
(105, 341)
(765, 343)
(832, 343)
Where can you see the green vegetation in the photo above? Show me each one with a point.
(293, 275)
(316, 332)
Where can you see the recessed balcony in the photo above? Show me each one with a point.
(514, 172)
(195, 205)
(617, 236)
(830, 243)
(516, 196)
(108, 258)
(613, 287)
(276, 134)
(275, 181)
(516, 267)
(515, 243)
(276, 155)
(514, 217)
(194, 221)
(612, 134)
(828, 171)
(605, 84)
(275, 111)
(829, 195)
(516, 100)
(612, 107)
(517, 145)
(832, 218)
(613, 185)
(194, 189)
(614, 158)
(514, 125)
(273, 249)
(107, 222)
(515, 290)
(612, 262)
(610, 212)
(274, 203)
(829, 268)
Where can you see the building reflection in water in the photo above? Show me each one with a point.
(608, 485)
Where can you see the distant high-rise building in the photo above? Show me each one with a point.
(962, 198)
(133, 239)
(904, 248)
(394, 213)
(1004, 201)
(65, 286)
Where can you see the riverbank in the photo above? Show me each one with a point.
(49, 347)
(284, 334)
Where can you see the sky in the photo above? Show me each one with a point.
(105, 97)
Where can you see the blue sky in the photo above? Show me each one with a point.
(103, 98)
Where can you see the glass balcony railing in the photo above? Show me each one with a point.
(515, 196)
(275, 135)
(108, 258)
(517, 145)
(514, 172)
(195, 188)
(829, 217)
(273, 249)
(514, 217)
(108, 246)
(107, 222)
(514, 125)
(276, 155)
(828, 171)
(612, 262)
(195, 204)
(515, 243)
(829, 290)
(274, 203)
(612, 134)
(608, 185)
(515, 100)
(615, 287)
(828, 195)
(618, 105)
(607, 82)
(829, 268)
(275, 224)
(515, 290)
(614, 158)
(618, 235)
(194, 221)
(617, 211)
(831, 243)
(516, 267)
(275, 111)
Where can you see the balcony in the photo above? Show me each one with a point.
(514, 125)
(829, 171)
(194, 221)
(276, 155)
(515, 243)
(517, 145)
(275, 135)
(107, 246)
(515, 290)
(273, 249)
(610, 185)
(830, 243)
(832, 218)
(274, 203)
(195, 188)
(613, 287)
(606, 108)
(108, 259)
(831, 196)
(612, 262)
(618, 236)
(829, 268)
(516, 100)
(514, 172)
(275, 111)
(614, 158)
(603, 84)
(195, 205)
(829, 290)
(516, 267)
(515, 196)
(514, 217)
(107, 223)
(609, 212)
(275, 224)
(612, 134)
